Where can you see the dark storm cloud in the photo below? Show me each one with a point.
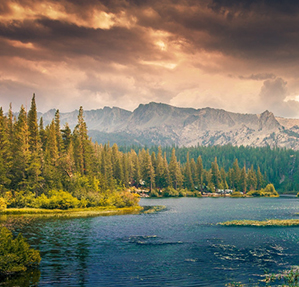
(263, 30)
(152, 48)
(260, 6)
(64, 40)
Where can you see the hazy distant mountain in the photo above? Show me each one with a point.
(161, 124)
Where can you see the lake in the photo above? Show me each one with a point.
(180, 246)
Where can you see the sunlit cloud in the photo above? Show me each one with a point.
(213, 53)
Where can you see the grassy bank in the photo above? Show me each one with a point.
(262, 223)
(74, 212)
(78, 212)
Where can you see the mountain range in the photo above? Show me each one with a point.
(162, 124)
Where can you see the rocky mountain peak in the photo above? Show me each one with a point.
(162, 124)
(268, 121)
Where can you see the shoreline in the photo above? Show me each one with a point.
(77, 212)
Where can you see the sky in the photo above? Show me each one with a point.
(241, 56)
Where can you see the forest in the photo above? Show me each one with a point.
(279, 166)
(55, 167)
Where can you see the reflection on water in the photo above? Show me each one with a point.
(181, 246)
(26, 279)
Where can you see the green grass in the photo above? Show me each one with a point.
(263, 223)
(75, 212)
(78, 212)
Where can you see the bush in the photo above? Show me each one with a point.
(268, 191)
(20, 199)
(57, 200)
(126, 199)
(170, 192)
(237, 194)
(183, 192)
(15, 254)
(254, 193)
(3, 203)
(154, 193)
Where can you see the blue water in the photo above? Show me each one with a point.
(180, 246)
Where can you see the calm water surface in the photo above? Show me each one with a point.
(181, 246)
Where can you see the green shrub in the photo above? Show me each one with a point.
(126, 199)
(57, 200)
(20, 199)
(236, 194)
(268, 191)
(170, 192)
(254, 193)
(15, 254)
(154, 193)
(3, 203)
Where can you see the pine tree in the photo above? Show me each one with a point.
(34, 144)
(223, 178)
(242, 180)
(216, 176)
(136, 168)
(58, 132)
(236, 174)
(175, 172)
(260, 179)
(82, 145)
(166, 172)
(199, 172)
(188, 175)
(193, 172)
(51, 153)
(34, 165)
(42, 134)
(21, 152)
(4, 154)
(147, 171)
(251, 179)
(66, 135)
(159, 171)
(118, 172)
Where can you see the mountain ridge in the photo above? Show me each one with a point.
(163, 124)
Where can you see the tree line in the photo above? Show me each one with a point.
(279, 166)
(36, 159)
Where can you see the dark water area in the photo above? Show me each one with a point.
(180, 246)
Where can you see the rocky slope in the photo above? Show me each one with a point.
(161, 124)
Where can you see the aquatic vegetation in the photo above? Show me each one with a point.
(262, 223)
(15, 254)
(154, 209)
(288, 278)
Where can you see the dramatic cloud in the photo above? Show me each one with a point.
(274, 94)
(219, 53)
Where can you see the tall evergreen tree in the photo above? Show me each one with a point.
(199, 172)
(188, 175)
(242, 181)
(4, 154)
(34, 144)
(21, 151)
(216, 176)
